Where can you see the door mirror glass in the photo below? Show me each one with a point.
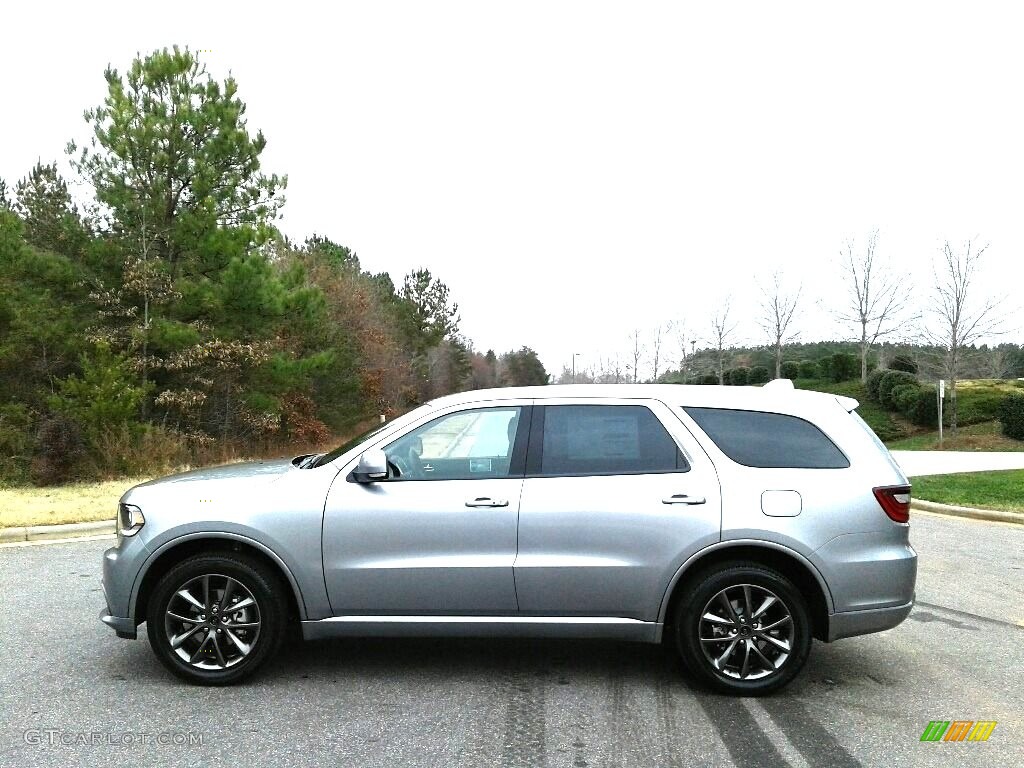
(373, 465)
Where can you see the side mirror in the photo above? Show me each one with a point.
(373, 465)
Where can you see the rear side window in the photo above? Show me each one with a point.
(758, 439)
(606, 439)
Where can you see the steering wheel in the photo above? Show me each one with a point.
(408, 463)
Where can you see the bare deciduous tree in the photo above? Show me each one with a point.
(637, 351)
(956, 320)
(722, 330)
(777, 309)
(877, 297)
(657, 336)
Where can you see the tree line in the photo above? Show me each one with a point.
(165, 319)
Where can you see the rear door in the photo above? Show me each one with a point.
(617, 495)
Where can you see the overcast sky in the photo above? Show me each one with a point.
(577, 170)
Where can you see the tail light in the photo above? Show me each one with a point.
(895, 500)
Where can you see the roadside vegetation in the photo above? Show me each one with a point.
(987, 490)
(74, 503)
(156, 316)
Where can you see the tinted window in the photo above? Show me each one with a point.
(759, 439)
(459, 446)
(606, 439)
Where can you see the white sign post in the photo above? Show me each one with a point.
(942, 395)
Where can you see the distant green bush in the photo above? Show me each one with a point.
(889, 382)
(874, 379)
(738, 377)
(903, 363)
(759, 374)
(904, 396)
(925, 411)
(809, 369)
(1011, 416)
(977, 404)
(842, 366)
(790, 369)
(709, 378)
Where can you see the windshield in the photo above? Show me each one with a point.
(331, 456)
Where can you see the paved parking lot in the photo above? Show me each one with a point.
(863, 701)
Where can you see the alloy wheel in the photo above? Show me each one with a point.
(746, 632)
(212, 622)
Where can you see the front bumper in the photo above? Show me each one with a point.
(853, 623)
(123, 626)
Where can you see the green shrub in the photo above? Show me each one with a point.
(903, 362)
(977, 404)
(809, 369)
(889, 382)
(790, 369)
(843, 366)
(709, 378)
(874, 378)
(739, 377)
(1011, 416)
(16, 443)
(905, 397)
(759, 374)
(925, 411)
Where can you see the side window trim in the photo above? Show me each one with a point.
(535, 452)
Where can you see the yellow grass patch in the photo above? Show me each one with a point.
(76, 503)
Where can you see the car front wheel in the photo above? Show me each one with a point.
(744, 629)
(214, 619)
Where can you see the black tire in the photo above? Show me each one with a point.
(744, 633)
(260, 626)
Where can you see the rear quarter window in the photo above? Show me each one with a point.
(770, 440)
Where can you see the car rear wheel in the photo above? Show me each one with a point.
(744, 629)
(214, 619)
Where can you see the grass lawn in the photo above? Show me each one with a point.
(986, 436)
(992, 490)
(76, 503)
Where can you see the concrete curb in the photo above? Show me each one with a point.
(67, 531)
(995, 515)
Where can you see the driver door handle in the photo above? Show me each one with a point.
(485, 501)
(682, 498)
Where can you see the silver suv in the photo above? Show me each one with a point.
(733, 523)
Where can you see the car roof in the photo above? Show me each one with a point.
(774, 394)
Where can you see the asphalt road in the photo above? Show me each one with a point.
(863, 701)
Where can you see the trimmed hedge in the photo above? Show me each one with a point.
(905, 397)
(925, 411)
(874, 379)
(903, 363)
(790, 369)
(1011, 416)
(738, 377)
(889, 382)
(808, 370)
(759, 374)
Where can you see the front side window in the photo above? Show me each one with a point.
(466, 445)
(605, 440)
(775, 440)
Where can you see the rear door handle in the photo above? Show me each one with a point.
(484, 501)
(682, 498)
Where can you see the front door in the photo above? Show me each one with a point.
(438, 537)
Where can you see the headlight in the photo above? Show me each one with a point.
(129, 519)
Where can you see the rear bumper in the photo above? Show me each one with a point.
(853, 623)
(123, 626)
